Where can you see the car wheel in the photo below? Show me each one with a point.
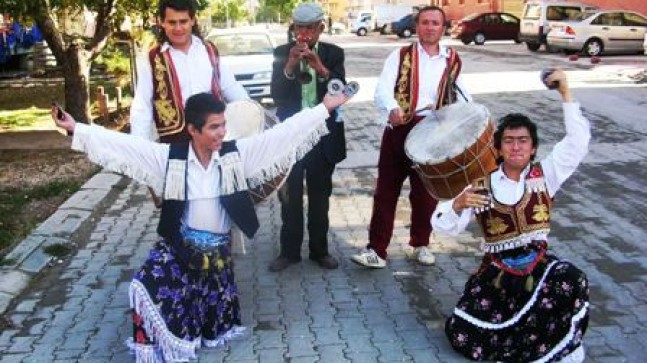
(533, 47)
(466, 40)
(517, 40)
(406, 33)
(383, 29)
(479, 38)
(361, 32)
(593, 47)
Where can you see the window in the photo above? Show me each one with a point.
(508, 19)
(632, 19)
(563, 13)
(610, 19)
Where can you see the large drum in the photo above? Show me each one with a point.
(246, 118)
(452, 147)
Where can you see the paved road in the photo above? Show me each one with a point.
(77, 311)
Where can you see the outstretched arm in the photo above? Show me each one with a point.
(140, 159)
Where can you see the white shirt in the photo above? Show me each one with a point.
(194, 73)
(145, 161)
(431, 69)
(560, 164)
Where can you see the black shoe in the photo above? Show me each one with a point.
(327, 262)
(280, 263)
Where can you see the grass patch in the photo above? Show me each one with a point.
(16, 217)
(58, 250)
(26, 118)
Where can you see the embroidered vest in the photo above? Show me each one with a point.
(507, 227)
(168, 103)
(407, 83)
(234, 197)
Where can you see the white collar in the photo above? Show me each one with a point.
(500, 176)
(192, 157)
(195, 42)
(442, 50)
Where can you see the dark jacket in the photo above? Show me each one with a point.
(287, 94)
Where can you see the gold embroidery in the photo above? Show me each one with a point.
(540, 213)
(403, 84)
(164, 107)
(496, 226)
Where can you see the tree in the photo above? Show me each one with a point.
(233, 10)
(74, 52)
(283, 8)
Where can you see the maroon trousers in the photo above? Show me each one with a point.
(393, 168)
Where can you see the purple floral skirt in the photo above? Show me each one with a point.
(178, 307)
(498, 323)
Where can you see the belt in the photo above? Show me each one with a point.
(202, 245)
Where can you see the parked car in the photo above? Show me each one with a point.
(604, 31)
(405, 27)
(537, 16)
(249, 55)
(478, 28)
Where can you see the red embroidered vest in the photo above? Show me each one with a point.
(168, 104)
(507, 227)
(407, 84)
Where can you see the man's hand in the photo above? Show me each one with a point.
(559, 76)
(67, 123)
(396, 117)
(295, 55)
(472, 197)
(333, 101)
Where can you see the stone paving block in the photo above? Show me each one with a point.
(331, 353)
(21, 345)
(26, 247)
(361, 357)
(301, 347)
(62, 223)
(271, 355)
(103, 180)
(14, 358)
(12, 282)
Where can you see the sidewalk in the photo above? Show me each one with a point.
(78, 311)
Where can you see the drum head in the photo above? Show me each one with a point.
(446, 133)
(244, 118)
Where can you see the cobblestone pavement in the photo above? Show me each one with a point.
(77, 311)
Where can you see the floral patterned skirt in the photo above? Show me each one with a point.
(178, 308)
(491, 322)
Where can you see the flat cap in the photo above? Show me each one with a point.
(307, 13)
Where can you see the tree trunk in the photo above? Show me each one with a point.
(76, 71)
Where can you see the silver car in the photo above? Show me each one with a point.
(248, 53)
(611, 31)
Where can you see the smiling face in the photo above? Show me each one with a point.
(209, 139)
(517, 149)
(430, 27)
(177, 25)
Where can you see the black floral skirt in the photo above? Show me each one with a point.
(511, 323)
(178, 307)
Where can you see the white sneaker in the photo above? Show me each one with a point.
(369, 258)
(424, 256)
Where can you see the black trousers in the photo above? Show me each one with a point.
(317, 171)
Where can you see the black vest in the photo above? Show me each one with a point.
(239, 205)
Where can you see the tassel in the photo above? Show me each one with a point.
(497, 280)
(530, 283)
(233, 179)
(175, 180)
(205, 261)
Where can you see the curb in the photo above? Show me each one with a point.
(28, 258)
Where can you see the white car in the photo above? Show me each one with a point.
(249, 54)
(611, 31)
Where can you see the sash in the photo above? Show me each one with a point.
(168, 102)
(407, 84)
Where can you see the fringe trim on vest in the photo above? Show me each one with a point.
(174, 187)
(515, 242)
(173, 349)
(232, 174)
(284, 162)
(106, 161)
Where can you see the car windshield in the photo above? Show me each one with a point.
(242, 44)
